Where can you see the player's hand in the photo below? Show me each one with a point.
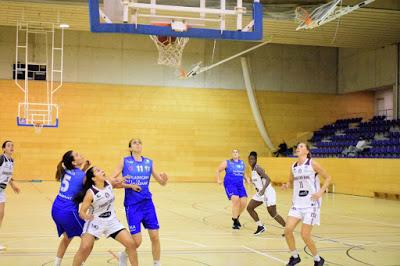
(316, 196)
(247, 180)
(86, 165)
(219, 181)
(16, 189)
(136, 188)
(164, 178)
(261, 193)
(87, 217)
(285, 186)
(119, 180)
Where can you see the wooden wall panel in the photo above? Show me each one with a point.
(187, 132)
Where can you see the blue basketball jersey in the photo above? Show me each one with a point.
(234, 171)
(71, 184)
(139, 173)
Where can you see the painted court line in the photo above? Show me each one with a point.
(370, 221)
(185, 241)
(264, 254)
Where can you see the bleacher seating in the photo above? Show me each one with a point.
(382, 136)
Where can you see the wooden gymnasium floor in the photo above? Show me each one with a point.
(195, 230)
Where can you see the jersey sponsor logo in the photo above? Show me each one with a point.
(105, 214)
(130, 168)
(303, 193)
(95, 226)
(6, 173)
(304, 177)
(64, 196)
(147, 161)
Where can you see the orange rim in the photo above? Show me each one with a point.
(303, 15)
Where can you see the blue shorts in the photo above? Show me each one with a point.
(235, 189)
(144, 213)
(67, 221)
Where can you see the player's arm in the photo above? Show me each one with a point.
(161, 178)
(86, 166)
(14, 186)
(83, 211)
(118, 169)
(220, 168)
(246, 178)
(327, 179)
(261, 172)
(289, 182)
(120, 183)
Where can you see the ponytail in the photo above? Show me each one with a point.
(309, 152)
(66, 163)
(60, 171)
(78, 198)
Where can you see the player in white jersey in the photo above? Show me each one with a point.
(265, 194)
(97, 209)
(306, 202)
(6, 172)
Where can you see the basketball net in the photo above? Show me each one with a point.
(170, 49)
(38, 126)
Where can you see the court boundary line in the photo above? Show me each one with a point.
(264, 254)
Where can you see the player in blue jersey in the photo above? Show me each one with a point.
(139, 206)
(70, 172)
(233, 182)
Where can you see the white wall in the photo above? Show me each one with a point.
(127, 59)
(361, 69)
(384, 102)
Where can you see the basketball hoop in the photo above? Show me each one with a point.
(303, 16)
(38, 126)
(170, 49)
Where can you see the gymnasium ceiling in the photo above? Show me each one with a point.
(374, 26)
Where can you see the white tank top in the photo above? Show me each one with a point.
(257, 180)
(305, 183)
(103, 202)
(6, 169)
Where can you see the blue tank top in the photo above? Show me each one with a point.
(234, 171)
(139, 173)
(71, 184)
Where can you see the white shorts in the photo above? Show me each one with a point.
(269, 197)
(309, 215)
(99, 226)
(2, 195)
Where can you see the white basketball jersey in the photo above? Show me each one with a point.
(256, 179)
(103, 202)
(305, 183)
(6, 169)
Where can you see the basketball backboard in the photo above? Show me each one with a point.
(205, 21)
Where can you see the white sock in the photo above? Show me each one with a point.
(123, 259)
(57, 261)
(317, 258)
(259, 223)
(294, 253)
(157, 263)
